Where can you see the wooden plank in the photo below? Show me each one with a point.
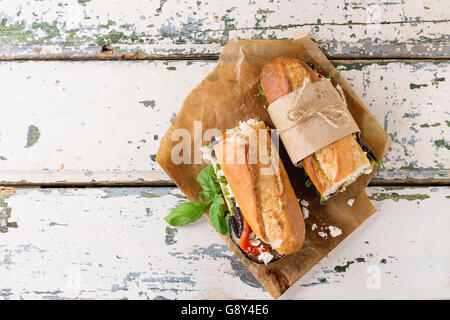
(64, 29)
(85, 122)
(113, 243)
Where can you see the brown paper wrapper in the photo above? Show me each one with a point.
(228, 95)
(311, 118)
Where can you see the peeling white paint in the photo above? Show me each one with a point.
(95, 124)
(174, 27)
(101, 243)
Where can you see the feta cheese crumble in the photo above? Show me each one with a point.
(207, 155)
(368, 171)
(305, 213)
(322, 234)
(334, 231)
(231, 195)
(219, 173)
(350, 201)
(314, 226)
(304, 203)
(265, 257)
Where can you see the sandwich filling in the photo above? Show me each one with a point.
(241, 233)
(335, 167)
(336, 171)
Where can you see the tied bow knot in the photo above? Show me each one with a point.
(334, 115)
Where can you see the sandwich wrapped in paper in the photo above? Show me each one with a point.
(317, 130)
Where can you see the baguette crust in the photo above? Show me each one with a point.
(332, 164)
(267, 201)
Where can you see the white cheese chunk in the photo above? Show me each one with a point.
(219, 173)
(305, 213)
(322, 234)
(265, 257)
(334, 231)
(231, 195)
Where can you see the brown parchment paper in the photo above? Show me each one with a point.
(227, 96)
(310, 118)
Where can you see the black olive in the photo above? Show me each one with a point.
(213, 143)
(310, 65)
(368, 152)
(232, 224)
(238, 220)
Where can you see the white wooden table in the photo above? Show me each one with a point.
(89, 87)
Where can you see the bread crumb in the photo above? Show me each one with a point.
(350, 201)
(276, 243)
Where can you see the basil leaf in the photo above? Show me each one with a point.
(208, 181)
(206, 195)
(222, 180)
(216, 215)
(218, 199)
(186, 212)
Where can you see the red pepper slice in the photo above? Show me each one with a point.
(245, 243)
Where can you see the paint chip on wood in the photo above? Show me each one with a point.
(33, 136)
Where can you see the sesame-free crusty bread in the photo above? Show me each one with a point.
(333, 166)
(262, 189)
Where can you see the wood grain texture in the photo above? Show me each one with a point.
(113, 243)
(101, 122)
(64, 29)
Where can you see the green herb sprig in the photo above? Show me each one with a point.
(321, 197)
(322, 200)
(308, 183)
(379, 164)
(189, 212)
(261, 93)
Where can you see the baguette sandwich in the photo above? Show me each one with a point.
(265, 220)
(335, 166)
